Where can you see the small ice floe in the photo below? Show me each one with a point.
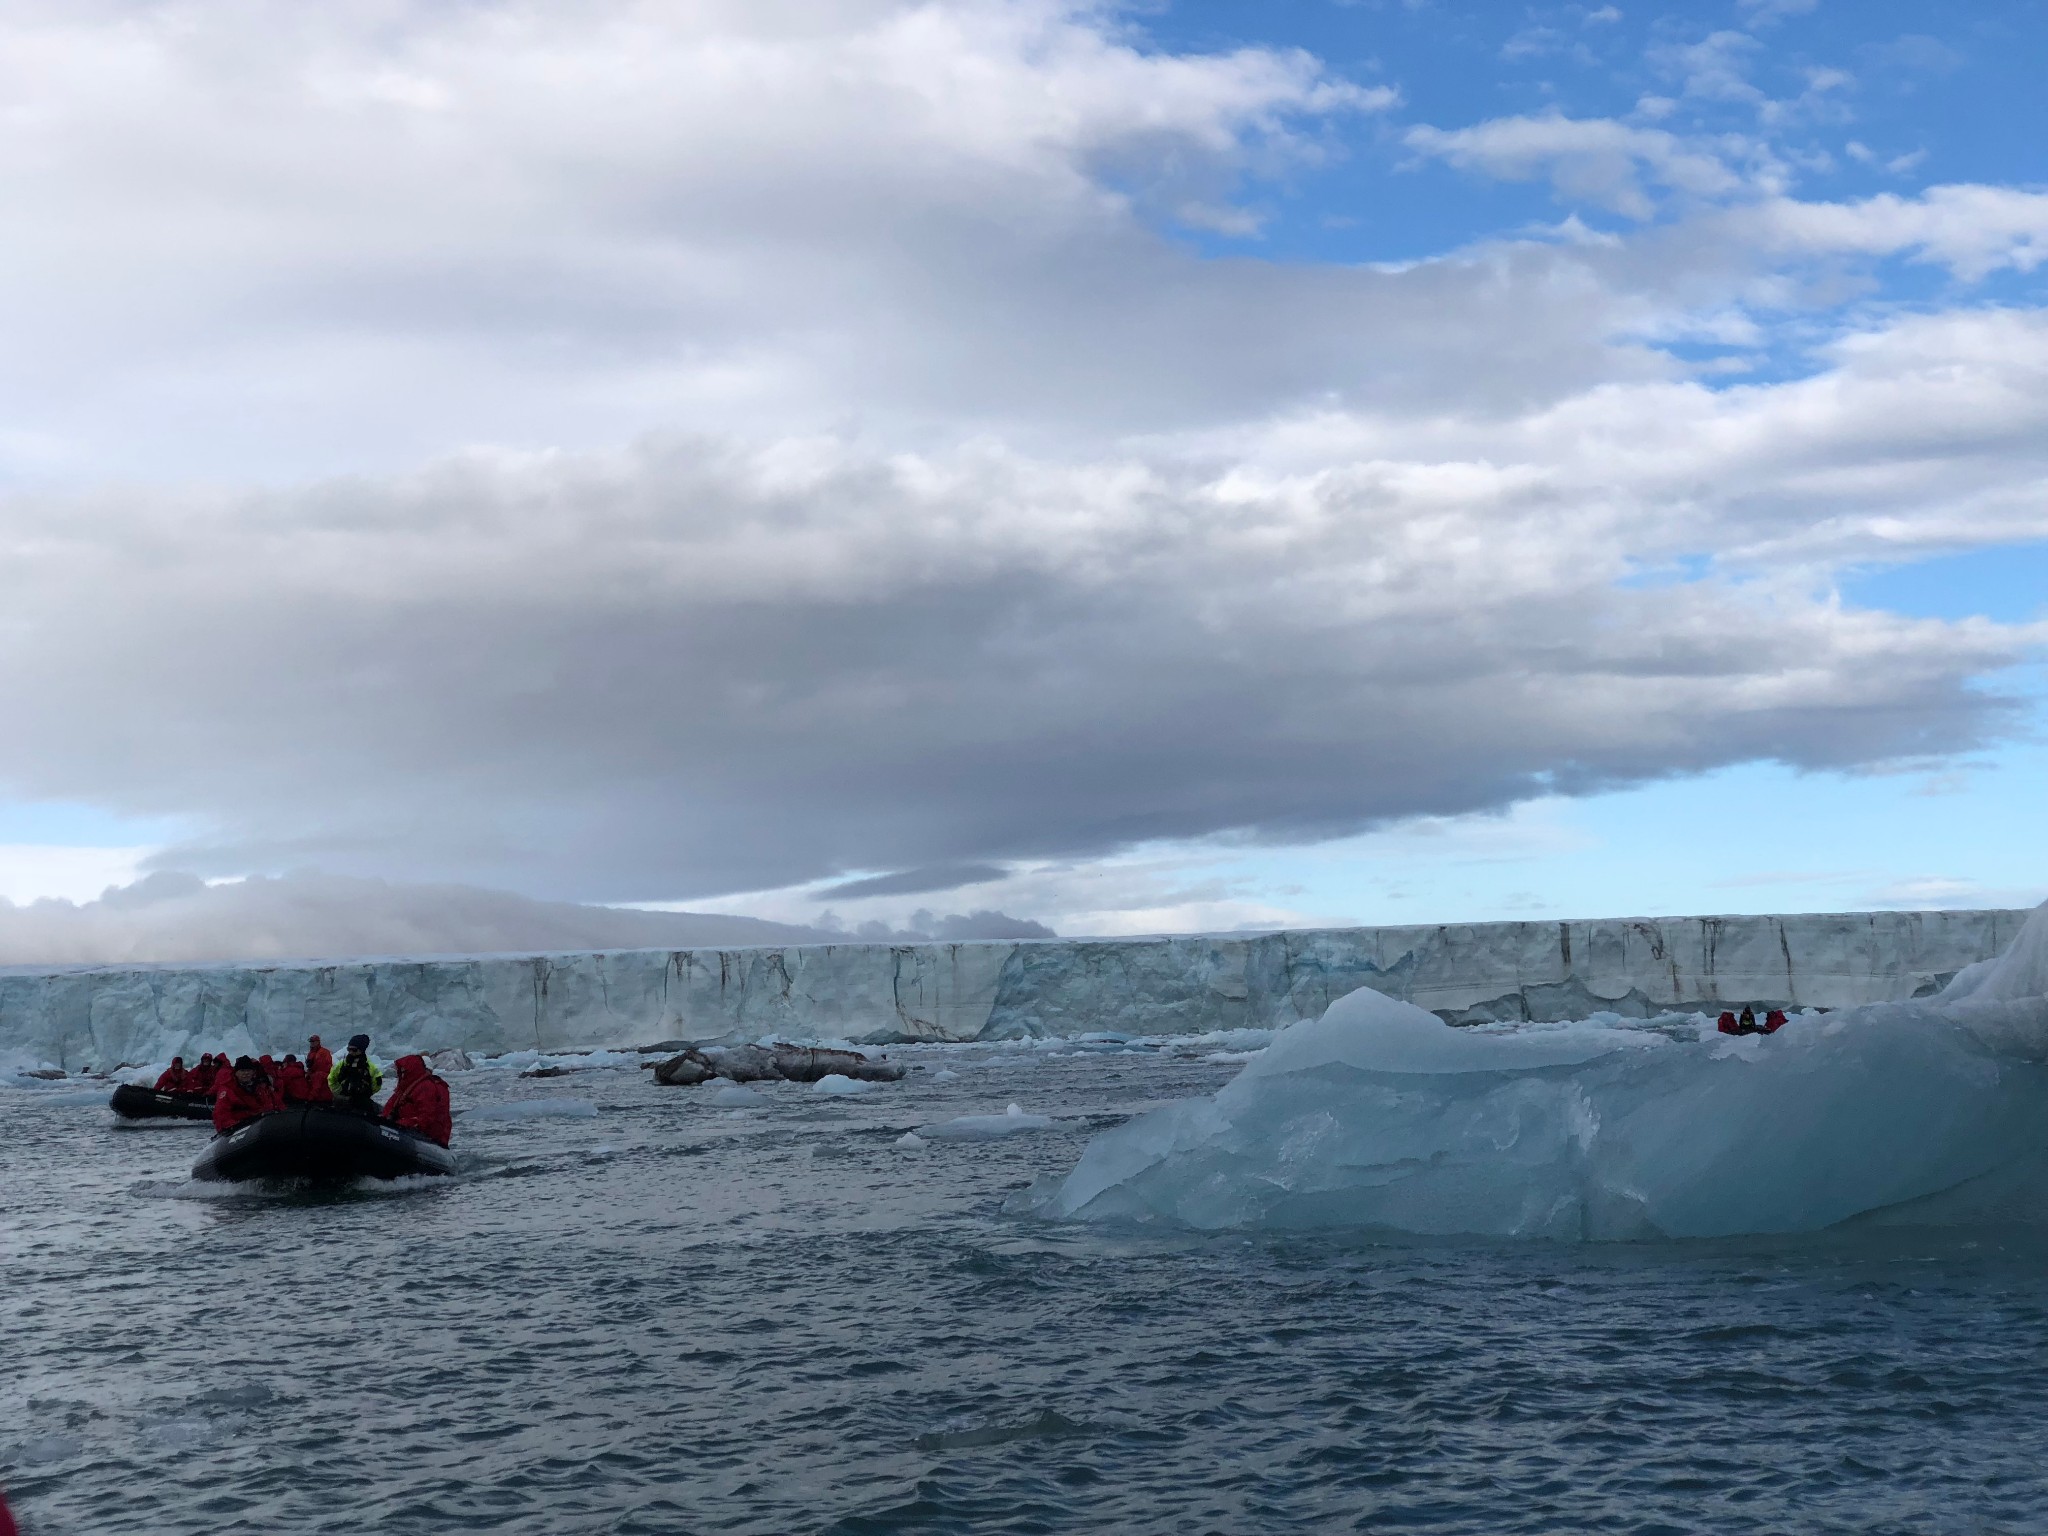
(534, 1109)
(909, 1139)
(735, 1096)
(840, 1085)
(1012, 1122)
(945, 1075)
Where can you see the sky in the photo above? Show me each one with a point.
(1164, 466)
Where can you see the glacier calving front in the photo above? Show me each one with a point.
(1464, 973)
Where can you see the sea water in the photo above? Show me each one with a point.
(645, 1309)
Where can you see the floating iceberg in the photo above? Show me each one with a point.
(1012, 1122)
(840, 1085)
(1379, 1115)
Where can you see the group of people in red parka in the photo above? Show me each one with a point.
(249, 1087)
(1729, 1024)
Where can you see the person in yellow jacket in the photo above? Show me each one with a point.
(355, 1079)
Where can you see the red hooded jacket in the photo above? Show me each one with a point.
(1726, 1023)
(237, 1105)
(223, 1077)
(319, 1062)
(291, 1081)
(420, 1101)
(174, 1080)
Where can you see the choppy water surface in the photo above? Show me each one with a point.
(647, 1312)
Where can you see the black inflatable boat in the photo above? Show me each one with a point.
(320, 1143)
(131, 1101)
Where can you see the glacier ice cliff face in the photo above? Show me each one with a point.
(1464, 973)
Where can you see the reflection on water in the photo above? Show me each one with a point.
(664, 1312)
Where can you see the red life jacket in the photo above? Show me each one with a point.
(420, 1102)
(236, 1105)
(319, 1062)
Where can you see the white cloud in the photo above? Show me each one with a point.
(1774, 10)
(1595, 160)
(32, 871)
(1972, 230)
(306, 915)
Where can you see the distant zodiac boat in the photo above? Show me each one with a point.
(131, 1101)
(320, 1143)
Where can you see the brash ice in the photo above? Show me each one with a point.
(1379, 1115)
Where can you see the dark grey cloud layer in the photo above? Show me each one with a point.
(914, 882)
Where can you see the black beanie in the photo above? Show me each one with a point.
(359, 1042)
(245, 1061)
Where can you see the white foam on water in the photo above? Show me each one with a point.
(1378, 1115)
(533, 1109)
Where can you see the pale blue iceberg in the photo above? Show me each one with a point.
(1379, 1115)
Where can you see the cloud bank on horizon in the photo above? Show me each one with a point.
(647, 452)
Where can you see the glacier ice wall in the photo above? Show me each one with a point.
(1467, 973)
(1379, 1115)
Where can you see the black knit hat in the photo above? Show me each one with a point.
(245, 1063)
(359, 1042)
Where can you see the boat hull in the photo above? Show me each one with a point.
(131, 1101)
(312, 1142)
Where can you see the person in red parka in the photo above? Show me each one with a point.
(319, 1062)
(291, 1080)
(199, 1079)
(246, 1097)
(1726, 1023)
(420, 1101)
(1774, 1021)
(174, 1078)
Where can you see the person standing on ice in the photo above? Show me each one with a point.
(319, 1062)
(248, 1096)
(355, 1079)
(420, 1101)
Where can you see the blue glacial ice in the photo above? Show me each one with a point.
(1380, 1116)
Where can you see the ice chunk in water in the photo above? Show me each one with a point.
(736, 1096)
(840, 1084)
(1012, 1122)
(1380, 1115)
